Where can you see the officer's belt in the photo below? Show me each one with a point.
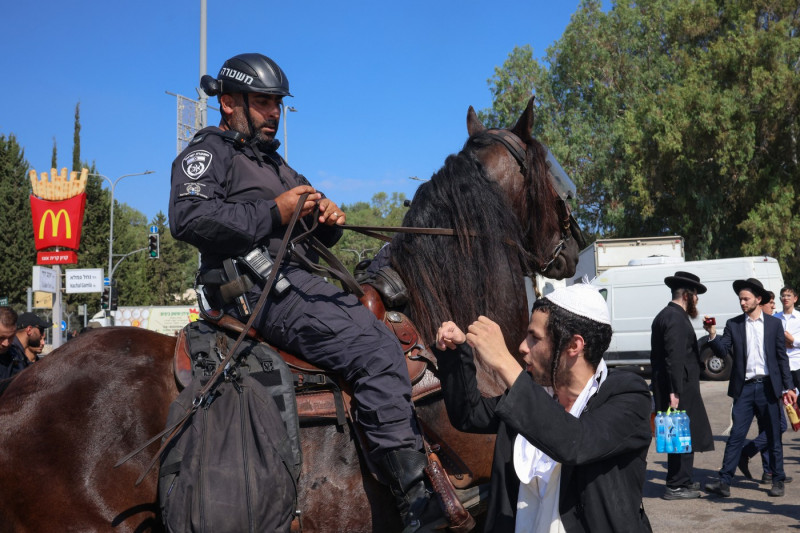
(227, 281)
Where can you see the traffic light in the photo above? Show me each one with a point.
(105, 297)
(113, 298)
(154, 245)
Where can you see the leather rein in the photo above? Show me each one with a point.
(517, 149)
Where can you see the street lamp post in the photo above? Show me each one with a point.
(113, 185)
(286, 110)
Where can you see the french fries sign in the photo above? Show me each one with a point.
(57, 205)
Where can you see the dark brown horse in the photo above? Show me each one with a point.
(70, 417)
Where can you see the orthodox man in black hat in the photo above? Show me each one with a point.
(675, 362)
(760, 381)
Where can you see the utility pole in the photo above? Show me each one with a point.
(203, 67)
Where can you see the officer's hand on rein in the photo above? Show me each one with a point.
(287, 202)
(330, 214)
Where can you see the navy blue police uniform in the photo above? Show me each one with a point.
(222, 201)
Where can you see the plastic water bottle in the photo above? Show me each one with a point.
(672, 433)
(686, 433)
(661, 433)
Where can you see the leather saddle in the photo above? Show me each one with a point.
(322, 395)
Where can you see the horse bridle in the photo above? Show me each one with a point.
(518, 150)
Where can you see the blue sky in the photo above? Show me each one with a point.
(381, 88)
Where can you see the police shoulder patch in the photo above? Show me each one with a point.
(196, 163)
(193, 189)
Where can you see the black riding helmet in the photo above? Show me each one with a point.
(247, 73)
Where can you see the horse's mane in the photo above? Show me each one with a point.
(477, 272)
(538, 199)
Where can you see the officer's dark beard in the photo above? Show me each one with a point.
(261, 140)
(238, 122)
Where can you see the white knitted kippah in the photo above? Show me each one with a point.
(582, 299)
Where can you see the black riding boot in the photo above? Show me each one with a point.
(419, 508)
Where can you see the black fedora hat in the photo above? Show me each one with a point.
(685, 280)
(753, 285)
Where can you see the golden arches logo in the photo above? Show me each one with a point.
(55, 218)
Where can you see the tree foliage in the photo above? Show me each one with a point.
(16, 239)
(384, 210)
(673, 117)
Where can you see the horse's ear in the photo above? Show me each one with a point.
(524, 125)
(474, 124)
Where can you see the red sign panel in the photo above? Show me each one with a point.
(64, 257)
(58, 223)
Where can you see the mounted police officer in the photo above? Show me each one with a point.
(232, 197)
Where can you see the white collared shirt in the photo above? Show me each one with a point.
(791, 323)
(754, 333)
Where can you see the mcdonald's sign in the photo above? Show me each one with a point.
(58, 223)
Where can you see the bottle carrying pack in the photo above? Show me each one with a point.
(673, 434)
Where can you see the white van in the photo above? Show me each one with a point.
(636, 294)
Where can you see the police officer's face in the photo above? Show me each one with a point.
(265, 115)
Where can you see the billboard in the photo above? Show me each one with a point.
(57, 207)
(163, 319)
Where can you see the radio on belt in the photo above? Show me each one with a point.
(260, 264)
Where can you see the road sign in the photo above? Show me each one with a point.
(106, 282)
(42, 300)
(83, 280)
(63, 325)
(153, 229)
(4, 300)
(44, 279)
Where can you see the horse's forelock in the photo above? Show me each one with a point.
(478, 272)
(543, 228)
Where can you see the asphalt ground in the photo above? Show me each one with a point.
(749, 508)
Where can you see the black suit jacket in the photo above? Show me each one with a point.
(675, 364)
(603, 453)
(734, 343)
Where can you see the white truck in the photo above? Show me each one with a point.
(636, 294)
(609, 253)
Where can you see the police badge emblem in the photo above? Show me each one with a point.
(196, 163)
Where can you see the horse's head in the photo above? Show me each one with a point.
(537, 190)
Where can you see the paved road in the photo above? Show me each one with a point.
(748, 509)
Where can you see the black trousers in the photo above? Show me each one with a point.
(679, 469)
(332, 330)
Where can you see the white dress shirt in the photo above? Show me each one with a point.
(756, 362)
(791, 323)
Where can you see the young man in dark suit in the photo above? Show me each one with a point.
(760, 379)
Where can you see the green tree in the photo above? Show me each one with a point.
(673, 117)
(76, 139)
(16, 239)
(54, 158)
(384, 210)
(167, 280)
